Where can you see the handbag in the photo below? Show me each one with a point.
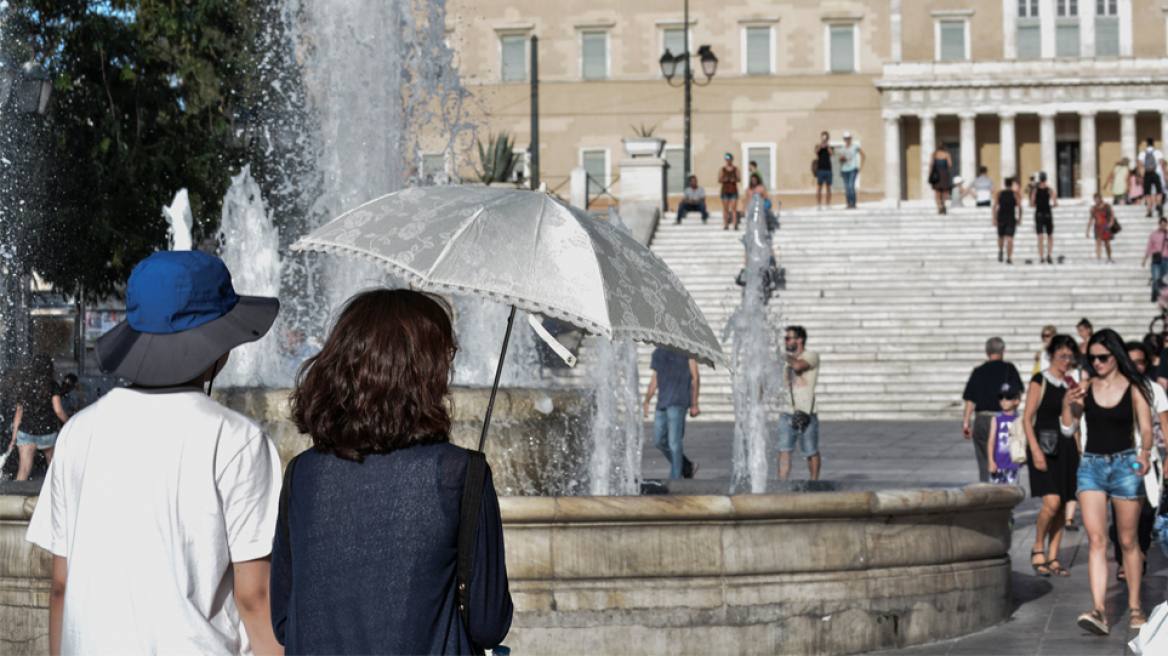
(1017, 443)
(1048, 441)
(1115, 227)
(934, 175)
(799, 420)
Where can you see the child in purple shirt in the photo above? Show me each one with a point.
(1003, 470)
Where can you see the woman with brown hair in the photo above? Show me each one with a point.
(369, 563)
(39, 413)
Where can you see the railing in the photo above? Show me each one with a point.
(591, 182)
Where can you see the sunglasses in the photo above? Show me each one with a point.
(1047, 335)
(1106, 357)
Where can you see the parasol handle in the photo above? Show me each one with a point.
(498, 375)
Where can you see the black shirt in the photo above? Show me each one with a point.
(1162, 368)
(1007, 207)
(985, 383)
(1109, 430)
(1049, 414)
(824, 162)
(39, 417)
(1042, 200)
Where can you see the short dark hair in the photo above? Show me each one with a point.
(1042, 176)
(1009, 182)
(754, 164)
(1142, 348)
(381, 381)
(1083, 323)
(1059, 342)
(982, 169)
(692, 178)
(800, 333)
(1154, 342)
(755, 176)
(1151, 141)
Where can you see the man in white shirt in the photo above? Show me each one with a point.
(160, 505)
(1152, 164)
(693, 199)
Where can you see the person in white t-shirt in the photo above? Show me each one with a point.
(160, 505)
(1152, 164)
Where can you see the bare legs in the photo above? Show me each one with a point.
(1051, 519)
(1049, 247)
(27, 453)
(1127, 518)
(729, 209)
(819, 194)
(1006, 244)
(785, 466)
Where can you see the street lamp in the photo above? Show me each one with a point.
(669, 63)
(28, 87)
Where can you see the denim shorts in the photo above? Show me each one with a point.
(823, 177)
(42, 442)
(808, 439)
(1112, 474)
(729, 197)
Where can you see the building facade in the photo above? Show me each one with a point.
(1019, 86)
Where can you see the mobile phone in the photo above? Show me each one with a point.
(1071, 382)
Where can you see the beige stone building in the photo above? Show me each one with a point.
(1018, 86)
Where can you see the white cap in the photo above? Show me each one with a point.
(847, 135)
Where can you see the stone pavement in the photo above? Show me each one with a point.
(934, 452)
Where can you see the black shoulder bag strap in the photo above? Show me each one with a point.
(285, 496)
(472, 496)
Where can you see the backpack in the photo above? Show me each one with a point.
(1150, 160)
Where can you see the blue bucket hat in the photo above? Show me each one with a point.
(182, 315)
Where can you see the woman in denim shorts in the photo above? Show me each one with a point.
(39, 413)
(1115, 408)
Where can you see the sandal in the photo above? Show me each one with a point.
(1119, 574)
(1138, 618)
(1056, 568)
(1094, 622)
(1071, 526)
(1042, 569)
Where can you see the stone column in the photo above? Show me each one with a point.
(1009, 145)
(1127, 134)
(1163, 129)
(1088, 156)
(928, 145)
(894, 26)
(892, 155)
(1046, 137)
(1009, 29)
(968, 148)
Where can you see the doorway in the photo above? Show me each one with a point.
(954, 149)
(1067, 156)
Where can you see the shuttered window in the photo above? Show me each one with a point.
(594, 47)
(760, 155)
(594, 165)
(843, 49)
(1029, 41)
(1067, 39)
(514, 58)
(1106, 36)
(675, 175)
(952, 40)
(758, 51)
(674, 41)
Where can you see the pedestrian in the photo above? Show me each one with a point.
(366, 557)
(757, 188)
(676, 382)
(851, 159)
(162, 547)
(1085, 330)
(1003, 470)
(981, 400)
(1158, 251)
(1139, 355)
(1135, 187)
(1115, 459)
(958, 193)
(941, 176)
(72, 397)
(39, 413)
(1042, 357)
(693, 199)
(983, 187)
(1152, 166)
(823, 154)
(798, 420)
(1102, 219)
(1007, 213)
(1117, 181)
(1043, 202)
(1052, 458)
(729, 178)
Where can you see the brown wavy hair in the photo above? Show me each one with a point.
(380, 382)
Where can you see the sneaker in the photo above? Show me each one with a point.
(1094, 622)
(1048, 260)
(1010, 262)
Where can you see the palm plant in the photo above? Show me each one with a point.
(643, 132)
(497, 158)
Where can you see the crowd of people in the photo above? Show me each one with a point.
(1092, 437)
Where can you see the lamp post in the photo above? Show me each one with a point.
(669, 63)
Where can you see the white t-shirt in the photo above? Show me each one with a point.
(1159, 160)
(151, 496)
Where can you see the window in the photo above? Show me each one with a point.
(514, 50)
(1029, 35)
(951, 35)
(1106, 28)
(595, 163)
(673, 40)
(433, 164)
(1066, 34)
(762, 154)
(758, 51)
(1027, 8)
(842, 49)
(594, 55)
(675, 174)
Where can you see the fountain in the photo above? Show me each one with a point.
(831, 572)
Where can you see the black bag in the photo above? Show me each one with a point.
(934, 175)
(772, 221)
(799, 420)
(1048, 441)
(1157, 258)
(1115, 227)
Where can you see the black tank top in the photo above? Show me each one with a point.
(1042, 201)
(1109, 430)
(1007, 207)
(824, 163)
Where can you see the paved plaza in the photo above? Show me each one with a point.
(929, 453)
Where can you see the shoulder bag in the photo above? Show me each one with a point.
(1048, 440)
(1017, 443)
(799, 420)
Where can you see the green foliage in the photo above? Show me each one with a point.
(143, 91)
(497, 159)
(644, 132)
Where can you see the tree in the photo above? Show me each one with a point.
(144, 91)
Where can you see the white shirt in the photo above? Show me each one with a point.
(1159, 160)
(151, 496)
